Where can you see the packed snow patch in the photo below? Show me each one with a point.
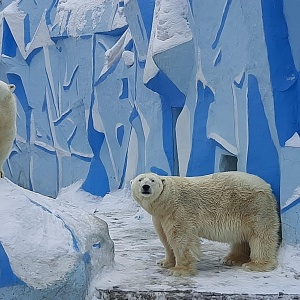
(172, 25)
(47, 240)
(294, 141)
(295, 196)
(75, 15)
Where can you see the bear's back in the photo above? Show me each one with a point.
(220, 204)
(223, 193)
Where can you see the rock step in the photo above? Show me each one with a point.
(117, 294)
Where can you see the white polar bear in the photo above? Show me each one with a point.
(7, 121)
(230, 207)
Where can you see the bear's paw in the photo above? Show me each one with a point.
(182, 271)
(260, 266)
(165, 263)
(235, 260)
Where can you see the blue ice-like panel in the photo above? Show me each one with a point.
(147, 10)
(158, 171)
(202, 157)
(262, 155)
(96, 182)
(222, 23)
(44, 159)
(291, 13)
(290, 206)
(171, 97)
(34, 11)
(120, 134)
(60, 91)
(284, 75)
(175, 65)
(9, 46)
(7, 276)
(138, 15)
(124, 93)
(22, 97)
(136, 123)
(289, 194)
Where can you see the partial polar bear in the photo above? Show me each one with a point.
(7, 121)
(230, 207)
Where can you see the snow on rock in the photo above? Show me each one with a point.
(171, 46)
(295, 196)
(15, 19)
(50, 242)
(294, 141)
(76, 16)
(115, 52)
(128, 57)
(172, 26)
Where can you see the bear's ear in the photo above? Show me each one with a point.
(11, 87)
(163, 180)
(131, 182)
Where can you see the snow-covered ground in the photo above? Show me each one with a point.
(137, 248)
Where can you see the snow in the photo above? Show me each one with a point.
(38, 263)
(128, 57)
(16, 222)
(295, 196)
(46, 239)
(223, 142)
(71, 14)
(114, 53)
(15, 20)
(75, 15)
(294, 141)
(172, 27)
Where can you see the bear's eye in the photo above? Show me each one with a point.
(152, 180)
(140, 179)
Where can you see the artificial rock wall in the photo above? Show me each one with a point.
(109, 89)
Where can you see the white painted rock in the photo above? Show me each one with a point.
(48, 244)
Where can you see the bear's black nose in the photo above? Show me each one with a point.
(146, 187)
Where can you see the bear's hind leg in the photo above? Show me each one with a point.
(263, 256)
(238, 255)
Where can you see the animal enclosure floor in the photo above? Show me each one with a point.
(137, 248)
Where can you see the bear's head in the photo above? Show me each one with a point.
(6, 90)
(146, 188)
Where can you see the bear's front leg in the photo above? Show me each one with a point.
(187, 250)
(169, 260)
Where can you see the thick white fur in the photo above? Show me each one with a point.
(7, 121)
(230, 207)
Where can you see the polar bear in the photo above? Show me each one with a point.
(7, 121)
(230, 207)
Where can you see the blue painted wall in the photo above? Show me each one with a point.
(106, 91)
